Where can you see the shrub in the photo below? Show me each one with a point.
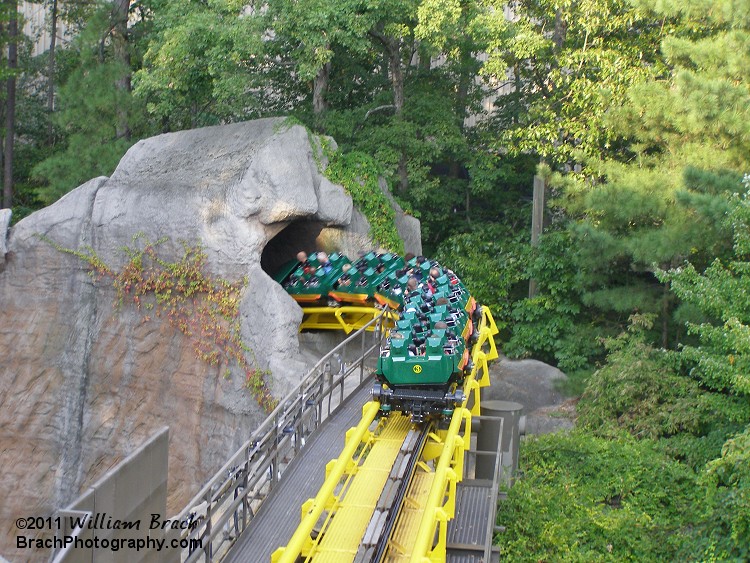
(642, 390)
(490, 260)
(586, 498)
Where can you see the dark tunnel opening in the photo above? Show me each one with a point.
(298, 235)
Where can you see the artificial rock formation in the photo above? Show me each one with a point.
(85, 382)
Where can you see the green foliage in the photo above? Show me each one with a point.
(552, 325)
(496, 262)
(491, 261)
(642, 390)
(728, 482)
(96, 113)
(571, 62)
(722, 359)
(421, 147)
(359, 174)
(202, 308)
(32, 121)
(200, 64)
(313, 29)
(638, 220)
(696, 451)
(428, 135)
(81, 161)
(658, 155)
(586, 498)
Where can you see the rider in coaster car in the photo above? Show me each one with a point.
(304, 263)
(325, 263)
(412, 284)
(417, 270)
(432, 283)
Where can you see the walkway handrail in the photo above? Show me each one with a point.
(228, 502)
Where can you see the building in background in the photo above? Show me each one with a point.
(36, 26)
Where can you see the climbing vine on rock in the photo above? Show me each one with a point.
(203, 308)
(358, 173)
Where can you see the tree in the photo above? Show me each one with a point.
(313, 31)
(722, 293)
(568, 62)
(203, 64)
(96, 112)
(652, 195)
(121, 48)
(51, 68)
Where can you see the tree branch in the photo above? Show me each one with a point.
(379, 108)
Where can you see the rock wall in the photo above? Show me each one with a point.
(84, 383)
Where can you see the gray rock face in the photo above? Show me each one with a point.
(408, 227)
(5, 215)
(85, 382)
(533, 384)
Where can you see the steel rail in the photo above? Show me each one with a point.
(403, 487)
(449, 469)
(437, 511)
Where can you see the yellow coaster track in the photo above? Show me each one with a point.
(334, 522)
(347, 318)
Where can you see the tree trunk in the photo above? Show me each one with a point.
(397, 75)
(561, 30)
(320, 89)
(122, 54)
(403, 173)
(10, 103)
(665, 317)
(462, 96)
(51, 72)
(397, 85)
(392, 50)
(425, 61)
(517, 86)
(3, 86)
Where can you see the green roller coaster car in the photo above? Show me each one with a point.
(422, 366)
(393, 290)
(426, 357)
(311, 281)
(359, 283)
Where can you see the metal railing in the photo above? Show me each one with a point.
(227, 504)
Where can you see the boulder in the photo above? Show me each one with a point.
(5, 215)
(86, 381)
(536, 386)
(408, 227)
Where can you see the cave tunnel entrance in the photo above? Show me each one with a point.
(301, 235)
(298, 235)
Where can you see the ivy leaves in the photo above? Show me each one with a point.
(202, 308)
(359, 174)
